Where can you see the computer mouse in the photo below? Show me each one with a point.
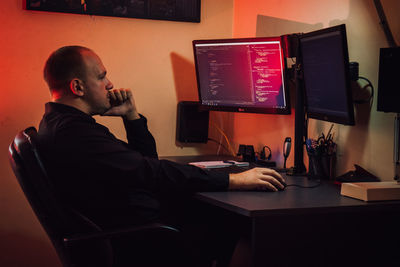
(284, 186)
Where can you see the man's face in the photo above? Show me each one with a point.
(96, 84)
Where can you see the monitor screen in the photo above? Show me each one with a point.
(242, 75)
(325, 63)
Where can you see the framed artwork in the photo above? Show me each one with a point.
(175, 10)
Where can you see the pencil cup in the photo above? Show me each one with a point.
(322, 166)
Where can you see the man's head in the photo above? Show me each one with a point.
(63, 65)
(76, 76)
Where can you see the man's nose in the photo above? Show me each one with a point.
(109, 85)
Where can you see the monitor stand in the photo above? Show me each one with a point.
(300, 125)
(396, 148)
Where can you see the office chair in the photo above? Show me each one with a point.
(77, 240)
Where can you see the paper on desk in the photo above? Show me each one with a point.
(218, 164)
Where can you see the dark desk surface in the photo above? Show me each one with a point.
(293, 200)
(317, 226)
(324, 198)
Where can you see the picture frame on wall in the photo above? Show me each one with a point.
(173, 10)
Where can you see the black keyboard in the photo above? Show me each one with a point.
(231, 169)
(237, 169)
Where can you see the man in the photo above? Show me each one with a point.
(112, 182)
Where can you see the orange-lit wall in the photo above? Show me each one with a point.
(370, 142)
(152, 57)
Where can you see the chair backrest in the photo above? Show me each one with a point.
(58, 220)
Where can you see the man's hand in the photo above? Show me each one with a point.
(122, 104)
(256, 179)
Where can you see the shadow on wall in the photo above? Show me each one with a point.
(358, 134)
(184, 78)
(271, 26)
(16, 248)
(186, 90)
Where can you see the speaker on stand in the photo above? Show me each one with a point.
(389, 95)
(192, 123)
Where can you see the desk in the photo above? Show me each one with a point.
(313, 226)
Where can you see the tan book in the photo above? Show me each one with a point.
(372, 191)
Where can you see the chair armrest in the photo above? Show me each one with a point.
(131, 231)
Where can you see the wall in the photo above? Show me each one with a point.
(370, 142)
(152, 57)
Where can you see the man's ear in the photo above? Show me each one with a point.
(77, 87)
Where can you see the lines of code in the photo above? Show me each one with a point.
(248, 73)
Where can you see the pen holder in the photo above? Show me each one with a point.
(321, 166)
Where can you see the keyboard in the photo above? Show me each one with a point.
(231, 169)
(237, 169)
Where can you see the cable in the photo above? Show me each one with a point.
(226, 139)
(284, 162)
(263, 155)
(303, 186)
(364, 101)
(384, 23)
(219, 143)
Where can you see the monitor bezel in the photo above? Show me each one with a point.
(348, 119)
(245, 109)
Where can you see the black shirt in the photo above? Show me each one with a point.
(112, 182)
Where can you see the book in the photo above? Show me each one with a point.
(372, 191)
(219, 164)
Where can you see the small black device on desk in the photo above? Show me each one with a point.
(358, 175)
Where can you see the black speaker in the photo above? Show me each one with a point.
(388, 84)
(192, 123)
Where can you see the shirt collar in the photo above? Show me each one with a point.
(65, 109)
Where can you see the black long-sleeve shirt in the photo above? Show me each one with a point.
(113, 182)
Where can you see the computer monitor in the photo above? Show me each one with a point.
(242, 75)
(323, 89)
(325, 64)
